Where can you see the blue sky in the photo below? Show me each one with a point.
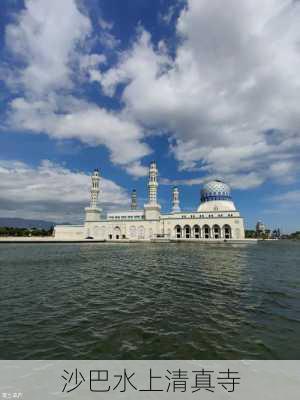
(207, 92)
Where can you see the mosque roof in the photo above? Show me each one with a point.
(215, 190)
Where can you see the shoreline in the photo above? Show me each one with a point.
(50, 240)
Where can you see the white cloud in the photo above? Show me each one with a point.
(67, 117)
(172, 11)
(51, 192)
(284, 206)
(230, 97)
(136, 169)
(286, 198)
(45, 37)
(104, 24)
(251, 180)
(49, 40)
(91, 61)
(106, 38)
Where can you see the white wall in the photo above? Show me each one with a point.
(236, 225)
(69, 232)
(133, 230)
(145, 230)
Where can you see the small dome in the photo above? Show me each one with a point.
(215, 190)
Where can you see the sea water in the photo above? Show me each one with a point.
(150, 301)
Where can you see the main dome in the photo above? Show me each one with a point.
(215, 190)
(216, 196)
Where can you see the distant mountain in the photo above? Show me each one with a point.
(26, 223)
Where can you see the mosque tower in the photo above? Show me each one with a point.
(152, 208)
(133, 205)
(95, 188)
(152, 184)
(93, 213)
(175, 201)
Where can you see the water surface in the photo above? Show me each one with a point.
(172, 301)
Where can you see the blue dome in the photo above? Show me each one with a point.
(215, 190)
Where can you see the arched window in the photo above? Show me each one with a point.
(196, 231)
(216, 232)
(206, 232)
(178, 231)
(117, 232)
(187, 231)
(227, 232)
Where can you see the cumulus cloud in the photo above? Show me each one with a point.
(106, 38)
(50, 42)
(251, 180)
(174, 9)
(45, 37)
(229, 98)
(89, 63)
(287, 198)
(52, 192)
(67, 117)
(284, 206)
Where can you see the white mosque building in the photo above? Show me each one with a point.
(216, 218)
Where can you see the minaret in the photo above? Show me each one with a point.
(152, 184)
(95, 188)
(175, 201)
(93, 213)
(133, 200)
(152, 208)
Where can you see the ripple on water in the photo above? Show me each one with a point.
(150, 301)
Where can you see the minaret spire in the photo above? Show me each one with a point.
(133, 200)
(93, 213)
(175, 200)
(95, 188)
(153, 184)
(152, 208)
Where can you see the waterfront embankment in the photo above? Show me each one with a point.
(51, 239)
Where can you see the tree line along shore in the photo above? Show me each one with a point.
(8, 231)
(253, 234)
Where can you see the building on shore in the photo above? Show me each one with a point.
(263, 233)
(260, 228)
(216, 218)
